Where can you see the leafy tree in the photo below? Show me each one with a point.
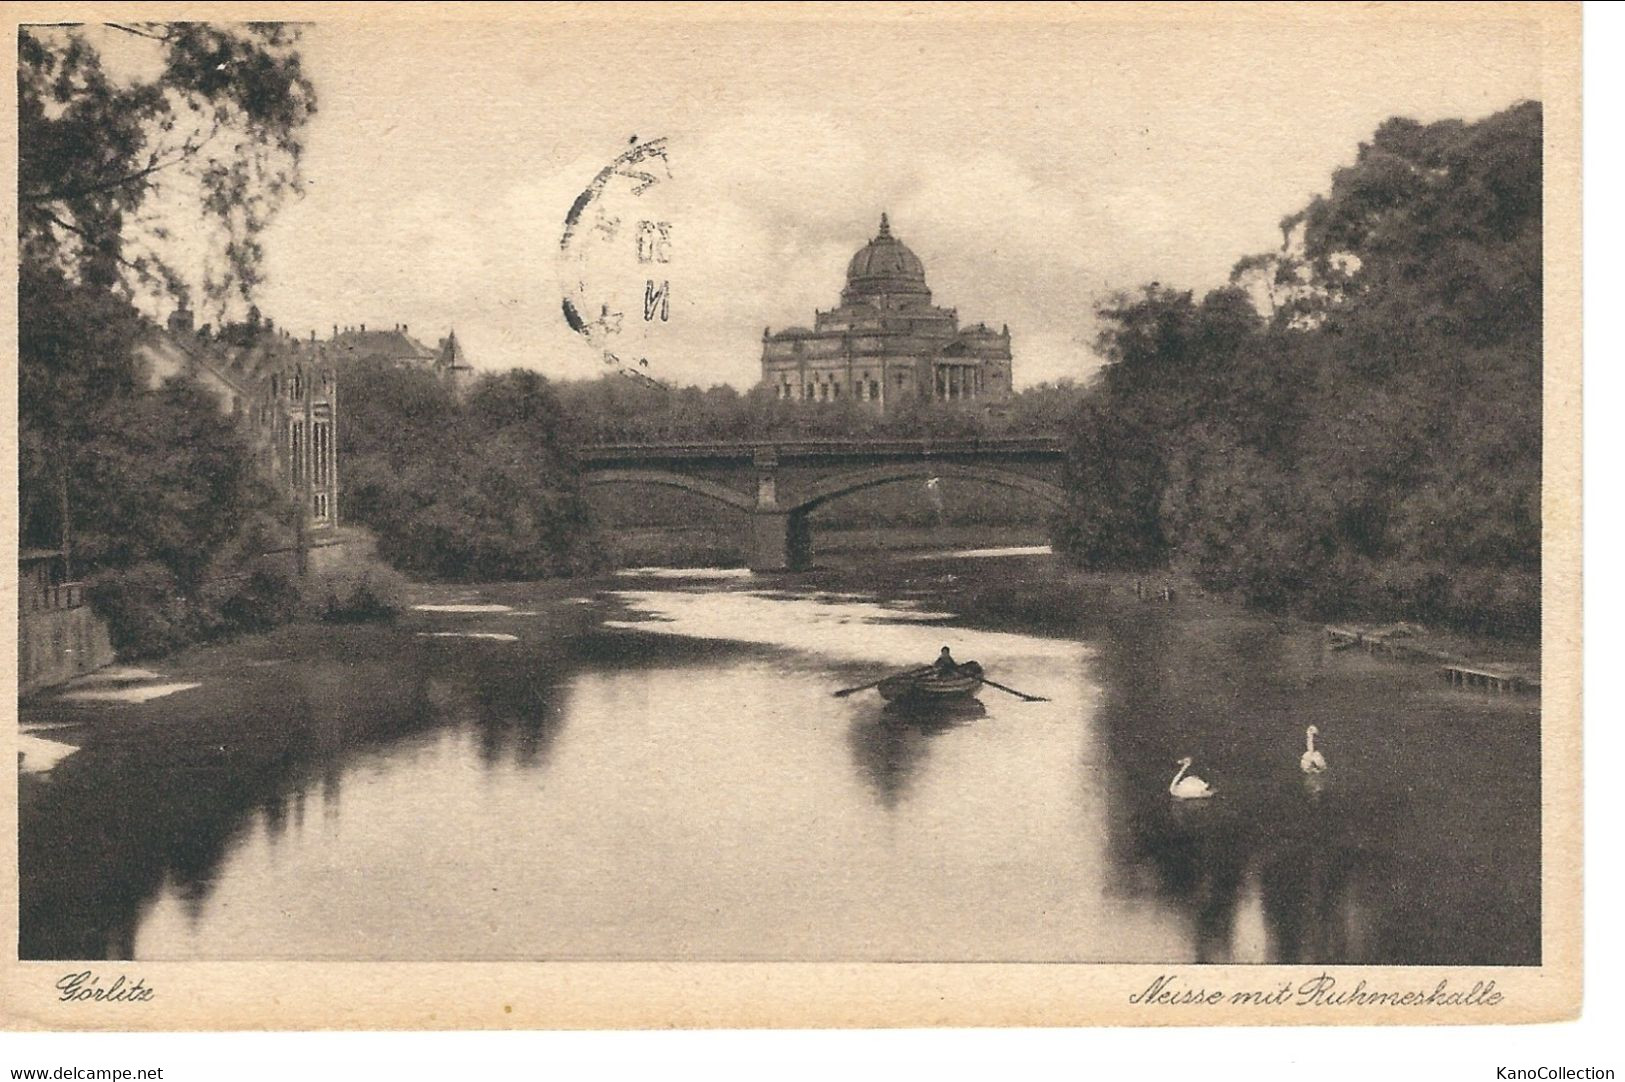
(167, 477)
(477, 488)
(1354, 424)
(614, 409)
(1114, 477)
(394, 412)
(74, 357)
(113, 169)
(150, 158)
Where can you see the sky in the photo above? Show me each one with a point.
(1034, 168)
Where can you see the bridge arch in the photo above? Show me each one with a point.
(698, 485)
(832, 487)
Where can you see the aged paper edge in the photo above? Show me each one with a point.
(553, 995)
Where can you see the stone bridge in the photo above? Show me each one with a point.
(779, 483)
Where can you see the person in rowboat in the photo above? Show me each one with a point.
(945, 664)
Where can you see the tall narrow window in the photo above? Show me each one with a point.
(296, 453)
(321, 447)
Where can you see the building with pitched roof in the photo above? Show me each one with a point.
(397, 346)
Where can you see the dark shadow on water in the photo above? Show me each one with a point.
(1420, 845)
(163, 790)
(889, 743)
(1307, 852)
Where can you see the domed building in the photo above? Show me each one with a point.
(886, 342)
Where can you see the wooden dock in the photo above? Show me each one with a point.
(1489, 679)
(1372, 642)
(1381, 641)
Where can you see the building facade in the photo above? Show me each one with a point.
(886, 343)
(282, 390)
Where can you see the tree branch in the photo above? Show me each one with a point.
(186, 151)
(92, 238)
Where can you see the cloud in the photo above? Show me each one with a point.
(439, 181)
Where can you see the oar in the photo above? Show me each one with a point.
(1013, 691)
(844, 692)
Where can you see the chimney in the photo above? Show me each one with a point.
(180, 320)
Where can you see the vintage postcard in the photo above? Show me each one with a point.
(830, 515)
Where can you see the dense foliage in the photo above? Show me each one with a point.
(620, 410)
(122, 170)
(126, 174)
(1354, 424)
(478, 487)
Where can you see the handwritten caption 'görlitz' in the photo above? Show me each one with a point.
(1321, 991)
(86, 986)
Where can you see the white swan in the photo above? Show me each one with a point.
(1312, 762)
(1189, 787)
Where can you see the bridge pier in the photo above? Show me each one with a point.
(780, 541)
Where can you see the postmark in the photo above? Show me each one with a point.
(619, 252)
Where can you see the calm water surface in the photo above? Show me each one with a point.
(655, 768)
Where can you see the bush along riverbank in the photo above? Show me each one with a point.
(150, 612)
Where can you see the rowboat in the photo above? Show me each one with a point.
(933, 686)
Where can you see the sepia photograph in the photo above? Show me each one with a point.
(1010, 493)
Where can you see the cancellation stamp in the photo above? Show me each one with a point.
(617, 254)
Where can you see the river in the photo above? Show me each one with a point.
(652, 766)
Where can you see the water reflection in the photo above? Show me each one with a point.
(680, 783)
(156, 809)
(1320, 865)
(890, 743)
(1291, 862)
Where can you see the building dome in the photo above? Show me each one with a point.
(885, 268)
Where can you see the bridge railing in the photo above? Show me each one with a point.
(996, 445)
